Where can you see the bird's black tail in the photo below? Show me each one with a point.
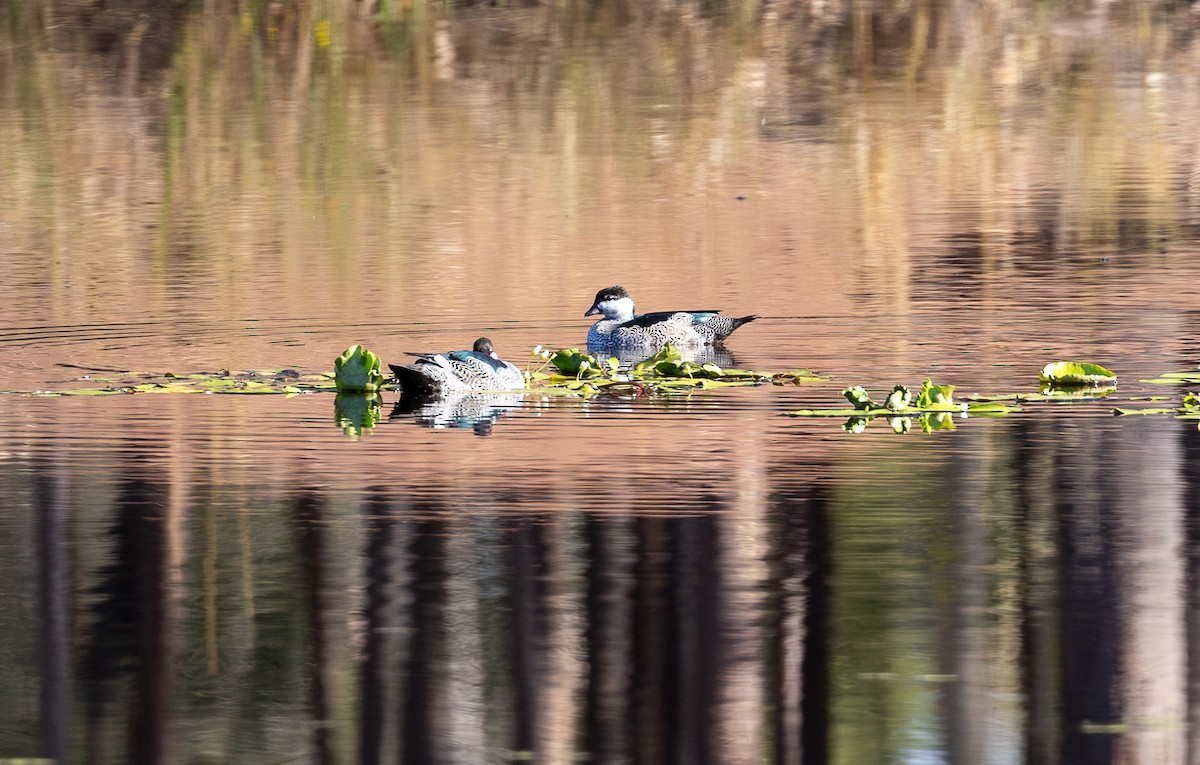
(412, 381)
(723, 326)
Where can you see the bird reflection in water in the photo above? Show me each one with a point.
(457, 409)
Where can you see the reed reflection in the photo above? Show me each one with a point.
(1041, 575)
(1104, 608)
(621, 638)
(51, 505)
(1191, 501)
(128, 662)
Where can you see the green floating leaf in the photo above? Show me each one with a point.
(932, 393)
(1076, 373)
(1123, 411)
(170, 388)
(1047, 393)
(1176, 378)
(660, 363)
(991, 408)
(357, 371)
(710, 384)
(1190, 409)
(568, 361)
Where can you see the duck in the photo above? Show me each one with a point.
(624, 329)
(480, 368)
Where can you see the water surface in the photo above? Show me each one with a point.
(955, 191)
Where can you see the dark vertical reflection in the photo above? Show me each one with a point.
(797, 667)
(426, 663)
(50, 489)
(651, 644)
(965, 638)
(815, 670)
(529, 631)
(608, 639)
(312, 556)
(1089, 603)
(372, 725)
(1034, 465)
(695, 638)
(786, 613)
(679, 637)
(131, 630)
(1191, 503)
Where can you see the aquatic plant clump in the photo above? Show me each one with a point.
(933, 406)
(357, 370)
(574, 372)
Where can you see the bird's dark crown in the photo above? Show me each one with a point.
(611, 293)
(483, 345)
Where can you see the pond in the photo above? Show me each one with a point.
(950, 191)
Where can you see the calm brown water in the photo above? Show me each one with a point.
(950, 190)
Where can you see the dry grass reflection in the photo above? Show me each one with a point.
(400, 156)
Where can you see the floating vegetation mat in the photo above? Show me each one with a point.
(276, 381)
(567, 372)
(1189, 409)
(933, 408)
(571, 372)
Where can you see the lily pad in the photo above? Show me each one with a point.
(573, 362)
(1189, 409)
(1123, 411)
(1176, 378)
(1068, 373)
